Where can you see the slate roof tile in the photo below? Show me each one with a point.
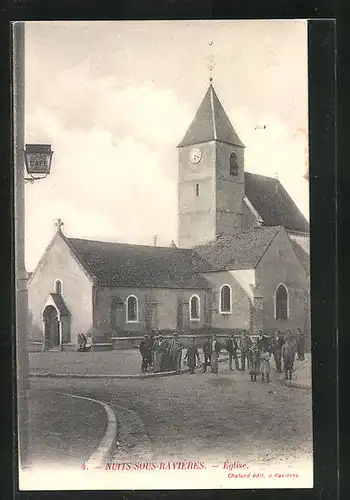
(60, 304)
(211, 123)
(273, 203)
(121, 264)
(240, 251)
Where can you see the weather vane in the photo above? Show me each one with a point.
(211, 64)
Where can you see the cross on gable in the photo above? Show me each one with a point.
(59, 224)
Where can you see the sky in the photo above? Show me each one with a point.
(115, 98)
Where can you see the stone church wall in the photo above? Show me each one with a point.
(239, 318)
(166, 300)
(280, 265)
(59, 264)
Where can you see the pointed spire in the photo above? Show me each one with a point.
(211, 123)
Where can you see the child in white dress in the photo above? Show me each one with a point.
(265, 366)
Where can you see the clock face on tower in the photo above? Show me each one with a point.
(195, 156)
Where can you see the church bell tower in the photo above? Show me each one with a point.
(211, 176)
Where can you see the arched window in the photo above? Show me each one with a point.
(132, 309)
(225, 299)
(233, 164)
(58, 287)
(194, 308)
(281, 302)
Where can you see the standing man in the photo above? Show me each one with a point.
(300, 345)
(191, 355)
(145, 351)
(206, 352)
(277, 344)
(245, 344)
(288, 355)
(214, 354)
(175, 349)
(159, 351)
(81, 342)
(150, 342)
(263, 342)
(231, 348)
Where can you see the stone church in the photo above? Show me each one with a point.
(241, 261)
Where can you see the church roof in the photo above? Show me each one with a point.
(211, 123)
(242, 250)
(60, 304)
(121, 264)
(273, 203)
(302, 256)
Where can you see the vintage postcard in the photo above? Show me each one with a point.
(162, 255)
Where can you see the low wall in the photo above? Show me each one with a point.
(35, 346)
(121, 343)
(38, 347)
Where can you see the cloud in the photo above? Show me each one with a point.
(106, 186)
(114, 100)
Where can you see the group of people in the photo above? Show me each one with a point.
(257, 353)
(84, 342)
(159, 354)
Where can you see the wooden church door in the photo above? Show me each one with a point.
(51, 325)
(183, 318)
(117, 314)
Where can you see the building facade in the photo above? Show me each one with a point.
(241, 262)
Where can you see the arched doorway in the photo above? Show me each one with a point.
(51, 327)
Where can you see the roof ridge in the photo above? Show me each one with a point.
(128, 244)
(213, 110)
(265, 176)
(251, 230)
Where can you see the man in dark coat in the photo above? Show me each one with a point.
(300, 345)
(215, 348)
(245, 344)
(277, 344)
(150, 343)
(146, 353)
(175, 351)
(231, 348)
(206, 352)
(288, 355)
(263, 342)
(192, 355)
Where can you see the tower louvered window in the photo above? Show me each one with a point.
(233, 164)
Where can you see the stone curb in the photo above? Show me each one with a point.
(101, 376)
(110, 375)
(107, 445)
